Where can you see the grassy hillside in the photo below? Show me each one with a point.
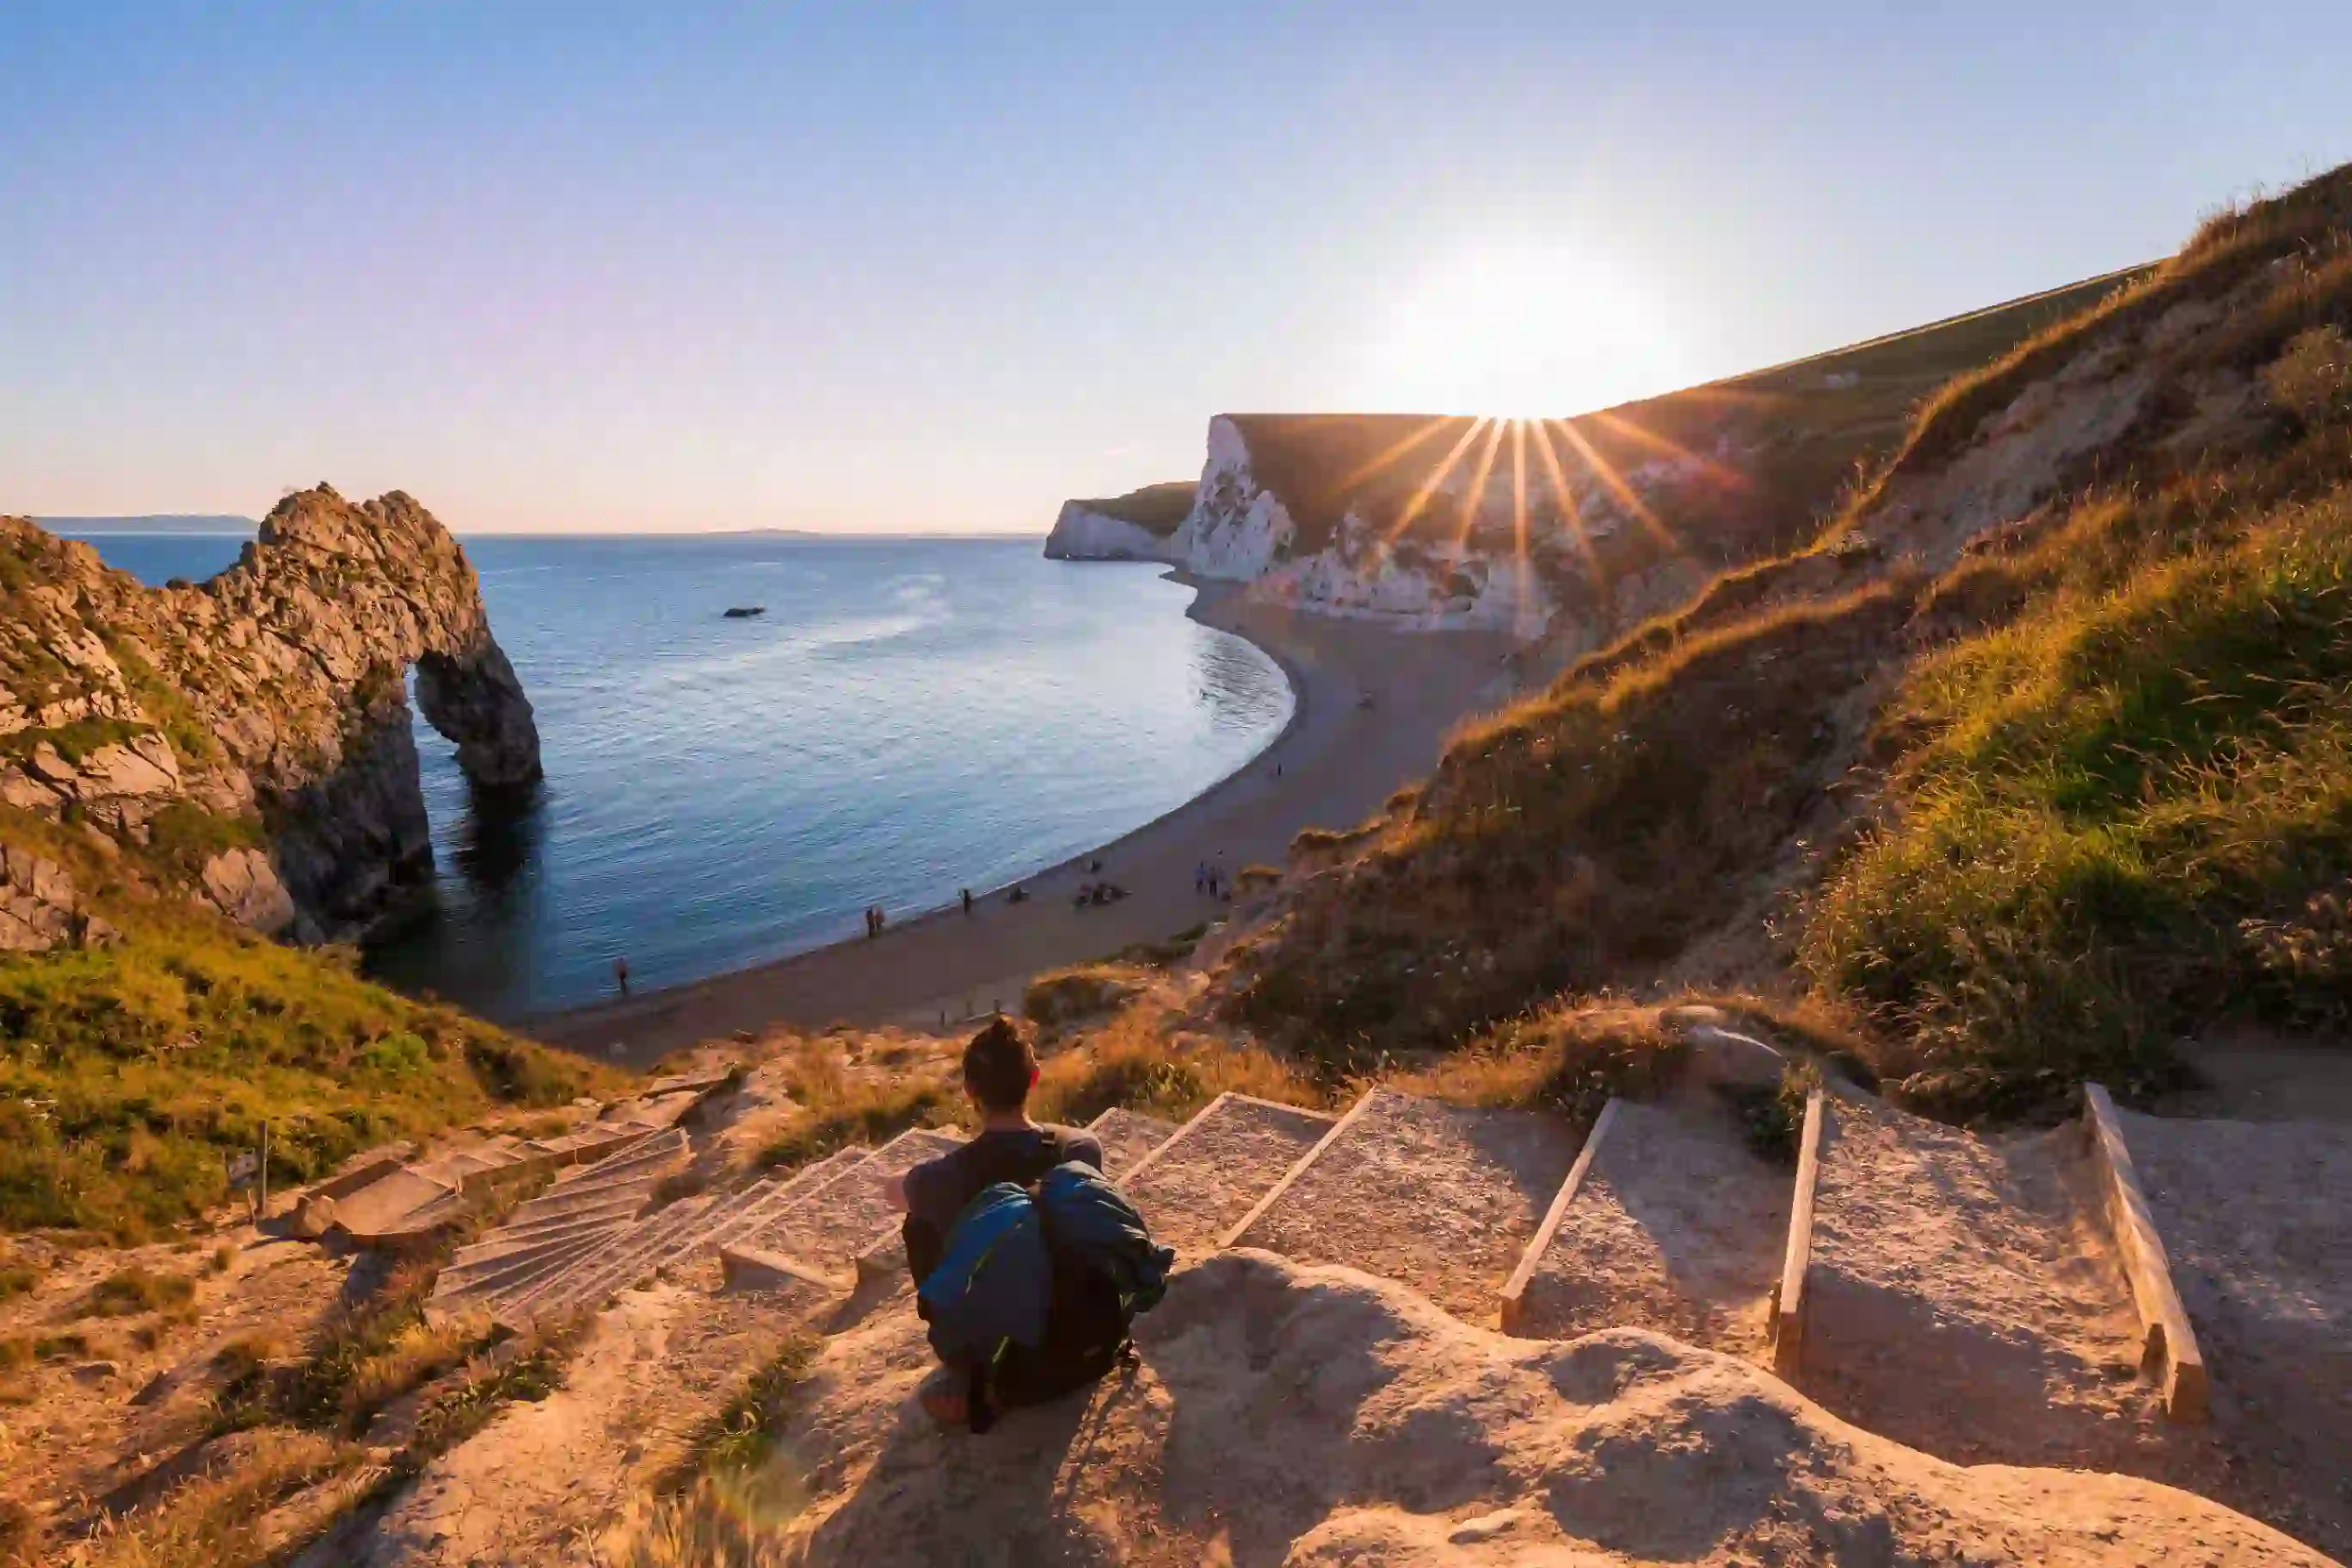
(2033, 793)
(1802, 432)
(128, 1072)
(1157, 509)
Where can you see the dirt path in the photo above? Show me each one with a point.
(1966, 1298)
(1317, 1416)
(550, 1483)
(1677, 1228)
(2254, 1217)
(1340, 759)
(1435, 1197)
(1203, 1181)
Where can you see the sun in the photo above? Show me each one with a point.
(1520, 330)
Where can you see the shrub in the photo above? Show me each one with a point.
(2313, 377)
(1569, 1057)
(1063, 996)
(1135, 1064)
(136, 1290)
(838, 1110)
(1573, 841)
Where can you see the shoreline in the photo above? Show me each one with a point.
(1370, 708)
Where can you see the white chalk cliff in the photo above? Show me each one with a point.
(1083, 533)
(1459, 559)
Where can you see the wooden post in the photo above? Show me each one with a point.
(1305, 1163)
(1514, 1290)
(261, 1211)
(1788, 1296)
(2168, 1345)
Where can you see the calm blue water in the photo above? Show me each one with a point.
(909, 717)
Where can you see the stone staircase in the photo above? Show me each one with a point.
(1986, 1300)
(574, 1220)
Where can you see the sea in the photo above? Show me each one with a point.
(909, 716)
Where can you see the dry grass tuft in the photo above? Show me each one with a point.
(134, 1290)
(1569, 1057)
(1573, 841)
(839, 1107)
(215, 1519)
(1139, 1062)
(1060, 997)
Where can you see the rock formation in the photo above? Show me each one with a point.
(1136, 526)
(249, 736)
(1577, 530)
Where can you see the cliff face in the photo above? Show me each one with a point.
(1082, 533)
(1576, 528)
(1133, 526)
(247, 738)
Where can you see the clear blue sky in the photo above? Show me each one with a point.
(576, 266)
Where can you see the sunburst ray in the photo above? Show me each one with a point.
(1615, 484)
(1412, 509)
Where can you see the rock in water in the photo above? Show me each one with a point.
(261, 716)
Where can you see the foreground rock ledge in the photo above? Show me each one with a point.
(1304, 1415)
(257, 722)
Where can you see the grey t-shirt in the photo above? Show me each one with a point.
(937, 1189)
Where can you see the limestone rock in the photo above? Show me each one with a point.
(37, 903)
(244, 885)
(315, 1218)
(275, 691)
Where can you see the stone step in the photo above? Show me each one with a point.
(1126, 1136)
(1212, 1171)
(494, 1287)
(507, 1238)
(1674, 1224)
(661, 1239)
(2257, 1236)
(624, 1261)
(826, 1230)
(596, 1142)
(384, 1206)
(464, 1274)
(1441, 1197)
(600, 1185)
(1963, 1295)
(637, 1148)
(777, 1193)
(460, 1167)
(582, 1200)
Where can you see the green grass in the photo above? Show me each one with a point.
(128, 1073)
(739, 1437)
(2121, 815)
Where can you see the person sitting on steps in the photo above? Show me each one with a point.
(998, 1069)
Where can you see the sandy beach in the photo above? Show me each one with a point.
(1340, 757)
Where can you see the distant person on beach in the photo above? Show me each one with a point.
(1199, 876)
(1018, 895)
(966, 893)
(621, 974)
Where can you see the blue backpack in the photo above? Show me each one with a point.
(1036, 1288)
